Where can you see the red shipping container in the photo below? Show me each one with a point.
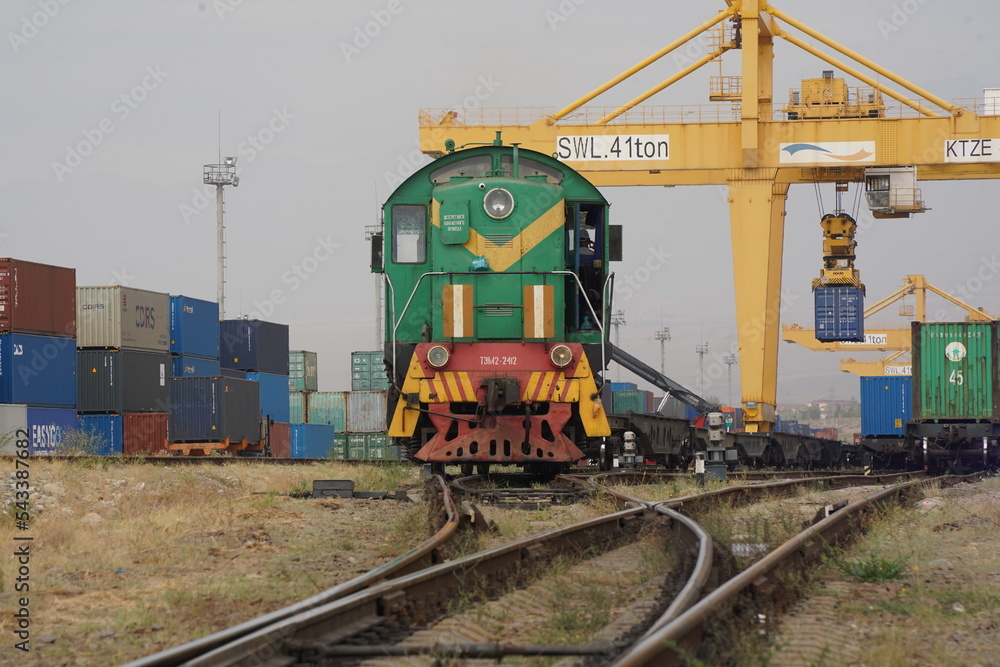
(281, 440)
(144, 433)
(37, 298)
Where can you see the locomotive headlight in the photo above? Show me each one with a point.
(438, 356)
(561, 356)
(499, 203)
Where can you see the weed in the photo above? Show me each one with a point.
(875, 569)
(268, 499)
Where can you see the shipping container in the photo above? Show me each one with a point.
(233, 373)
(365, 412)
(328, 407)
(339, 451)
(674, 408)
(254, 345)
(623, 386)
(37, 298)
(123, 381)
(144, 433)
(886, 404)
(123, 318)
(303, 371)
(214, 409)
(367, 360)
(273, 395)
(298, 407)
(187, 366)
(101, 435)
(50, 428)
(37, 370)
(840, 313)
(636, 400)
(366, 446)
(13, 428)
(312, 441)
(194, 327)
(374, 380)
(281, 440)
(955, 374)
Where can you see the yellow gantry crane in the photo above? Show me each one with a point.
(756, 148)
(881, 338)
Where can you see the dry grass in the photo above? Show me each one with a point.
(130, 559)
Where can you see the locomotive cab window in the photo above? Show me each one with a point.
(409, 233)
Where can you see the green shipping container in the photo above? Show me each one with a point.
(328, 407)
(298, 407)
(955, 373)
(635, 400)
(339, 450)
(303, 374)
(367, 446)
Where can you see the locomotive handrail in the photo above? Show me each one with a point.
(413, 293)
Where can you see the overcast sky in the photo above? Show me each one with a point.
(111, 110)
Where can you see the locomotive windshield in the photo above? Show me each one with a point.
(409, 232)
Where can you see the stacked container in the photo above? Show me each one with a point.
(955, 371)
(124, 367)
(368, 371)
(303, 381)
(37, 355)
(214, 410)
(260, 350)
(194, 337)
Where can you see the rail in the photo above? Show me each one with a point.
(661, 647)
(413, 560)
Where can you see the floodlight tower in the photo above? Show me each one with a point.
(221, 175)
(730, 360)
(701, 351)
(618, 320)
(663, 335)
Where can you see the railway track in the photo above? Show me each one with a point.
(419, 615)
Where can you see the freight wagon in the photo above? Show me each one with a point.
(956, 396)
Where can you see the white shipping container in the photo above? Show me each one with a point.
(13, 426)
(122, 318)
(366, 411)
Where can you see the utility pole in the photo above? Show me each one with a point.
(729, 360)
(701, 351)
(618, 320)
(663, 335)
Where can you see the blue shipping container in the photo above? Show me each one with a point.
(273, 395)
(213, 409)
(312, 441)
(194, 327)
(886, 404)
(840, 313)
(186, 366)
(48, 428)
(102, 434)
(37, 370)
(253, 345)
(624, 386)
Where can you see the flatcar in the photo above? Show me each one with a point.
(498, 297)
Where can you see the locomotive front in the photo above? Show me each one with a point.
(498, 286)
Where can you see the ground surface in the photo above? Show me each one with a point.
(127, 560)
(943, 609)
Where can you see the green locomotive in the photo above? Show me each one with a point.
(498, 285)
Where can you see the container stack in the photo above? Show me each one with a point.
(366, 426)
(368, 371)
(303, 380)
(260, 350)
(37, 356)
(124, 368)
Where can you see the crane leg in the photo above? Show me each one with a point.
(757, 221)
